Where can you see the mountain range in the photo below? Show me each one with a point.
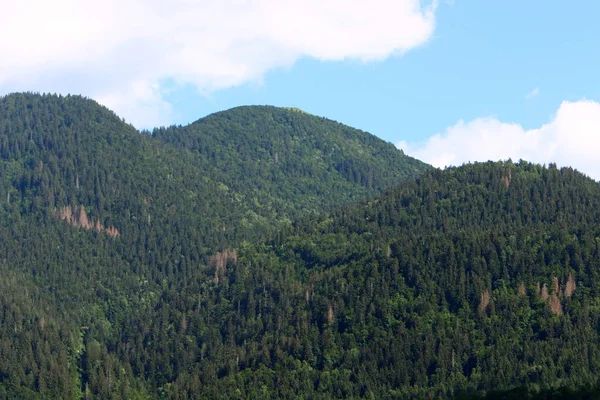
(265, 252)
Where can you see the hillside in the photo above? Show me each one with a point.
(100, 222)
(290, 162)
(164, 267)
(70, 152)
(466, 280)
(477, 278)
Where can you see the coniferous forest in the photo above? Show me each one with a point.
(263, 252)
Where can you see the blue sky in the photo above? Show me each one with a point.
(483, 59)
(447, 81)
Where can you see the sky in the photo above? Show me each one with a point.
(447, 81)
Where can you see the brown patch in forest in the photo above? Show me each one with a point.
(555, 285)
(555, 305)
(220, 262)
(484, 302)
(84, 221)
(111, 231)
(77, 216)
(544, 293)
(521, 291)
(570, 286)
(506, 179)
(552, 299)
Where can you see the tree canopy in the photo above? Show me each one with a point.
(264, 252)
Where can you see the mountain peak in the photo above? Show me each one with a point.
(266, 146)
(40, 106)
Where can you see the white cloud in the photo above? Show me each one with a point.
(110, 49)
(142, 100)
(534, 93)
(572, 138)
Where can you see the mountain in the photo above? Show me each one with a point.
(211, 261)
(219, 185)
(100, 222)
(477, 278)
(290, 162)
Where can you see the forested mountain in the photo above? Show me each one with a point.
(163, 266)
(70, 151)
(98, 220)
(288, 161)
(466, 280)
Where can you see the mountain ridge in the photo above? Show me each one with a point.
(267, 139)
(100, 222)
(97, 140)
(214, 261)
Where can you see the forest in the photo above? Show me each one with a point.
(263, 252)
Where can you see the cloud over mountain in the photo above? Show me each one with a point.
(122, 51)
(571, 138)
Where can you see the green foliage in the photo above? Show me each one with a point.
(288, 161)
(100, 224)
(475, 282)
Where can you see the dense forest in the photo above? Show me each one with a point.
(289, 161)
(264, 252)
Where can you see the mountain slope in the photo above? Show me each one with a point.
(135, 268)
(99, 224)
(289, 161)
(70, 151)
(475, 278)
